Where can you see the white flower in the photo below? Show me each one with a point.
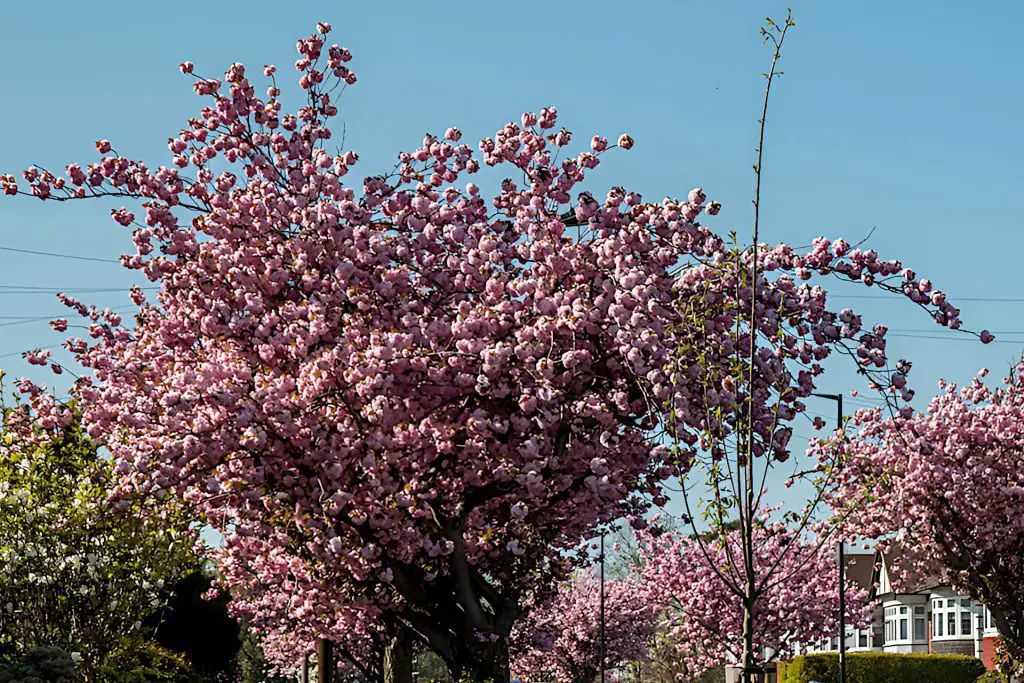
(76, 657)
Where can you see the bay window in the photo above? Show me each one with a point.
(953, 617)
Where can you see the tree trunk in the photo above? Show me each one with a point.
(398, 657)
(747, 672)
(484, 663)
(1013, 639)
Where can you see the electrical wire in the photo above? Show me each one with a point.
(57, 255)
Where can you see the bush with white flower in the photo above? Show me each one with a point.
(74, 574)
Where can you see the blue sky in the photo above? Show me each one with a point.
(902, 117)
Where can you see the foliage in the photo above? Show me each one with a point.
(558, 640)
(992, 677)
(883, 667)
(74, 574)
(948, 486)
(140, 660)
(40, 665)
(253, 666)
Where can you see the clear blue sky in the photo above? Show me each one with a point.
(902, 116)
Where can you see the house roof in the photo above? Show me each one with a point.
(860, 569)
(919, 581)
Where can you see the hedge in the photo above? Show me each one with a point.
(882, 667)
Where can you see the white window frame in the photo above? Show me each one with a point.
(899, 624)
(956, 612)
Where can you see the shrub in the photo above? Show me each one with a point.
(883, 667)
(992, 677)
(136, 660)
(40, 665)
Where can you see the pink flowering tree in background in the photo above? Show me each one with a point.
(701, 614)
(948, 486)
(279, 599)
(559, 639)
(426, 395)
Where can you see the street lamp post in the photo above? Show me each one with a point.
(324, 661)
(838, 398)
(602, 606)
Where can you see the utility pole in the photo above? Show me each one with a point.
(602, 607)
(838, 398)
(324, 661)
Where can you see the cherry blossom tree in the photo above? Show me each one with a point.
(948, 486)
(417, 391)
(286, 609)
(702, 615)
(559, 639)
(427, 395)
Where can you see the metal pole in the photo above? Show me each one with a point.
(602, 607)
(842, 572)
(324, 661)
(842, 613)
(838, 398)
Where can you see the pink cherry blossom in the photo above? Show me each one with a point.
(945, 485)
(796, 603)
(559, 640)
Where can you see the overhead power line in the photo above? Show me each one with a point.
(954, 338)
(71, 315)
(951, 297)
(57, 255)
(18, 353)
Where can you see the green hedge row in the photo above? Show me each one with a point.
(882, 667)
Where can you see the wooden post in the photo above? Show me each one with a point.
(324, 661)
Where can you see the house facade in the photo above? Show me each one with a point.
(925, 616)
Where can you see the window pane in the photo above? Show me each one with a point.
(965, 623)
(919, 609)
(903, 610)
(863, 639)
(903, 629)
(951, 623)
(939, 622)
(919, 629)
